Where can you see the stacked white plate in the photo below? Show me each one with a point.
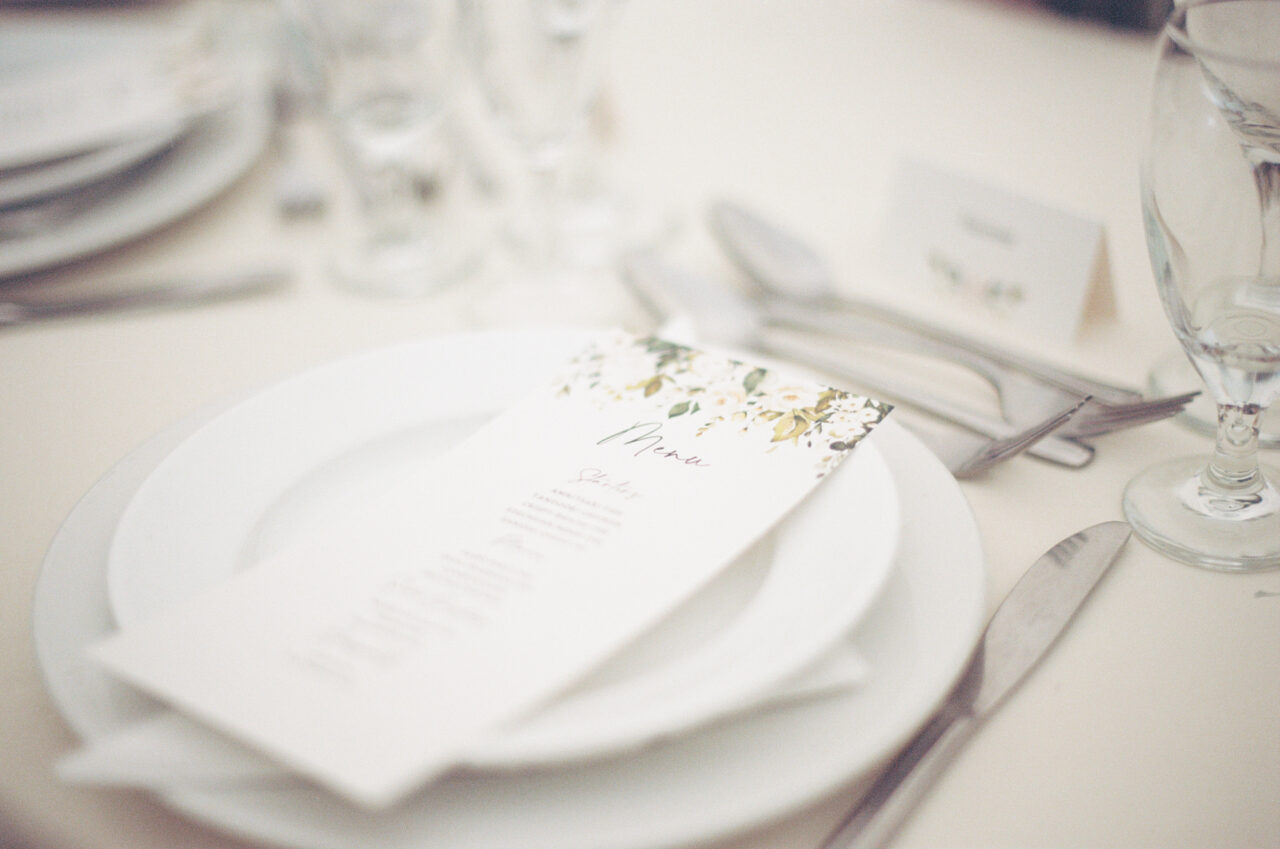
(677, 740)
(113, 128)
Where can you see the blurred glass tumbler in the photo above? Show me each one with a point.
(390, 79)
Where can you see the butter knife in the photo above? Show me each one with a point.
(1027, 623)
(188, 292)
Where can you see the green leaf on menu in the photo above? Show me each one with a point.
(790, 426)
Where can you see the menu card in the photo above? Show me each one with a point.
(478, 586)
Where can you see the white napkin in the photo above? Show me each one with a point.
(169, 750)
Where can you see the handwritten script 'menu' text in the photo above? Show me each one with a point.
(647, 436)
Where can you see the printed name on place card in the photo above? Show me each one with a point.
(487, 581)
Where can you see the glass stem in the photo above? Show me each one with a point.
(388, 201)
(544, 211)
(1233, 471)
(540, 231)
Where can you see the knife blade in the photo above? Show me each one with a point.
(730, 319)
(1025, 626)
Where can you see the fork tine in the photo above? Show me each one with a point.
(1097, 419)
(1002, 449)
(1172, 401)
(1133, 415)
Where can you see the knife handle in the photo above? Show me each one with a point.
(190, 291)
(882, 811)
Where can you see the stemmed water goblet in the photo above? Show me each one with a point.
(1211, 207)
(540, 66)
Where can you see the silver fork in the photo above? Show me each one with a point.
(1024, 398)
(987, 433)
(1021, 397)
(966, 454)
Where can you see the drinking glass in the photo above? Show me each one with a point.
(1211, 206)
(390, 74)
(540, 65)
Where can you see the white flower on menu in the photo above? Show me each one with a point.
(711, 372)
(722, 399)
(780, 397)
(626, 363)
(714, 383)
(869, 414)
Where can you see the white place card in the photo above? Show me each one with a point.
(1033, 266)
(487, 580)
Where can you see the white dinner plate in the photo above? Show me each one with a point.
(45, 179)
(216, 149)
(721, 779)
(258, 478)
(79, 81)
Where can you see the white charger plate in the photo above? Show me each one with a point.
(216, 149)
(723, 779)
(259, 477)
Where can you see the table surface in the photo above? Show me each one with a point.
(1152, 723)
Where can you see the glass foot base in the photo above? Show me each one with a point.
(587, 232)
(403, 270)
(1171, 512)
(1174, 374)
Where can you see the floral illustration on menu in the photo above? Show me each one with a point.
(720, 392)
